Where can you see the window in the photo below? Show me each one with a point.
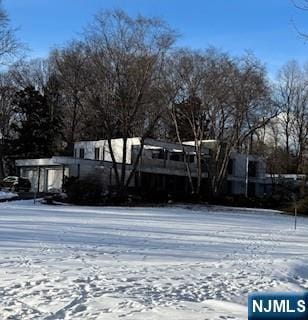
(176, 156)
(75, 153)
(158, 154)
(230, 168)
(204, 165)
(252, 169)
(81, 153)
(190, 158)
(96, 153)
(251, 189)
(230, 187)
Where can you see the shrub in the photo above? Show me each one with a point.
(83, 191)
(303, 206)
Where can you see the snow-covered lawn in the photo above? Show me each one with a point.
(6, 195)
(65, 262)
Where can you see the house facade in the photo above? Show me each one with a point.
(162, 167)
(246, 175)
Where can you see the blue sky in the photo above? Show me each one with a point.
(262, 26)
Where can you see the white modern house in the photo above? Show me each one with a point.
(246, 173)
(162, 167)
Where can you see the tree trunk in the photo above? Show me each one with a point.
(192, 187)
(114, 163)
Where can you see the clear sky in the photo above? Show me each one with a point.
(264, 27)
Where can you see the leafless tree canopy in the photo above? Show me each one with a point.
(123, 78)
(215, 96)
(301, 4)
(126, 59)
(9, 46)
(34, 73)
(288, 132)
(70, 65)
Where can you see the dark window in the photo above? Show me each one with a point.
(175, 156)
(190, 158)
(96, 153)
(158, 154)
(81, 153)
(75, 153)
(252, 169)
(230, 166)
(251, 189)
(204, 165)
(230, 187)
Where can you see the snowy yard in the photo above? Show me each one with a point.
(6, 195)
(65, 262)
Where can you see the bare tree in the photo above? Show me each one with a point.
(233, 102)
(70, 67)
(126, 62)
(9, 46)
(300, 124)
(291, 124)
(247, 109)
(35, 73)
(288, 85)
(301, 4)
(188, 114)
(9, 49)
(7, 92)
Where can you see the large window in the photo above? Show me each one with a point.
(204, 166)
(81, 153)
(252, 168)
(230, 187)
(176, 156)
(230, 168)
(96, 153)
(190, 158)
(158, 154)
(251, 189)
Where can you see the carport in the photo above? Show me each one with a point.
(44, 174)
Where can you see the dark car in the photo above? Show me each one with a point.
(14, 183)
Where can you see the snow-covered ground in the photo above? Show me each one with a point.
(65, 262)
(6, 195)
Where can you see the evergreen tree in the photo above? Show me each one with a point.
(35, 124)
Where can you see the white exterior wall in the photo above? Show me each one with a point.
(238, 178)
(117, 148)
(240, 163)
